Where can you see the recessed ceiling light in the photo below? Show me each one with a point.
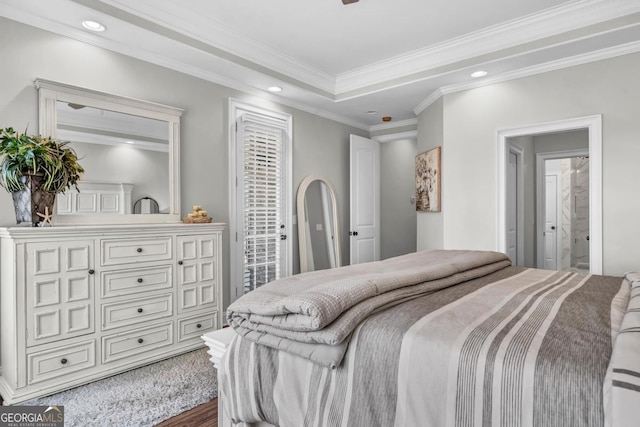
(130, 142)
(93, 26)
(372, 112)
(479, 73)
(275, 89)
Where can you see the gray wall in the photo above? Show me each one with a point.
(319, 145)
(471, 119)
(397, 186)
(431, 135)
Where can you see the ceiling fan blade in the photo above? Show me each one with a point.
(349, 1)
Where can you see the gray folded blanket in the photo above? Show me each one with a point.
(313, 314)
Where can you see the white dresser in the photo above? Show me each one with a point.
(82, 303)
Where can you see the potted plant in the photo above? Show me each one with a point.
(34, 169)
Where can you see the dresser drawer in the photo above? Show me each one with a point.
(197, 325)
(47, 364)
(125, 313)
(128, 251)
(120, 346)
(124, 282)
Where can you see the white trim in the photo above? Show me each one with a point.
(538, 25)
(519, 153)
(526, 29)
(565, 17)
(411, 134)
(435, 95)
(393, 125)
(553, 21)
(177, 65)
(594, 125)
(220, 35)
(550, 21)
(236, 110)
(599, 55)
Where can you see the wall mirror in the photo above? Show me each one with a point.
(318, 228)
(130, 150)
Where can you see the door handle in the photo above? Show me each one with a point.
(553, 227)
(353, 233)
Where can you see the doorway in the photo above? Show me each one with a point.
(587, 158)
(563, 211)
(260, 196)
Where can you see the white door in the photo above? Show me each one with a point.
(260, 186)
(260, 196)
(364, 230)
(551, 222)
(552, 238)
(512, 207)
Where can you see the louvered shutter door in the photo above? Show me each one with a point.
(261, 188)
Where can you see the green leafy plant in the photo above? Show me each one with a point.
(26, 155)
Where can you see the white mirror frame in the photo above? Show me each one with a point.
(302, 220)
(50, 92)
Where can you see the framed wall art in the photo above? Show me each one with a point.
(428, 177)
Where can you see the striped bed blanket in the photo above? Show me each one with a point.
(510, 347)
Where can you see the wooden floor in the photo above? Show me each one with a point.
(205, 415)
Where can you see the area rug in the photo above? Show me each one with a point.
(143, 397)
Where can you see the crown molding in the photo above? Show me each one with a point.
(394, 125)
(544, 22)
(435, 95)
(523, 30)
(273, 62)
(221, 36)
(586, 58)
(412, 134)
(166, 62)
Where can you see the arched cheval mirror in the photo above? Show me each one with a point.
(318, 228)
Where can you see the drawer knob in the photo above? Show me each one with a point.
(139, 310)
(63, 361)
(140, 280)
(140, 340)
(198, 326)
(92, 271)
(139, 250)
(180, 263)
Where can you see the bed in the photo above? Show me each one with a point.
(439, 338)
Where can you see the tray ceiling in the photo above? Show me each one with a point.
(340, 61)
